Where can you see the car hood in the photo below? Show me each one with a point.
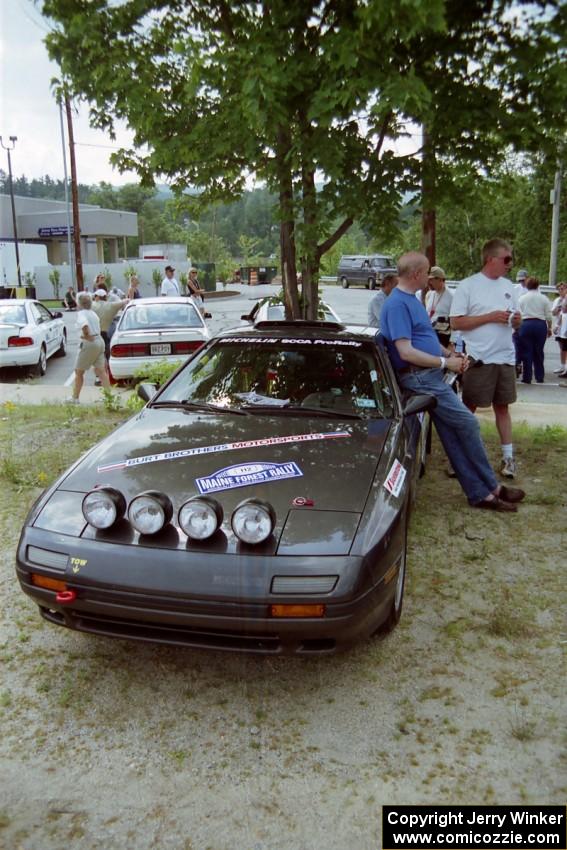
(279, 458)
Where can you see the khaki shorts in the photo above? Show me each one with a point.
(90, 354)
(488, 384)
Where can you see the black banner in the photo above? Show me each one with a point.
(479, 827)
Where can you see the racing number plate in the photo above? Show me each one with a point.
(160, 348)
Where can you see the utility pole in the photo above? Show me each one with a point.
(74, 197)
(9, 148)
(555, 199)
(69, 238)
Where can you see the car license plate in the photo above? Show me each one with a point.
(160, 348)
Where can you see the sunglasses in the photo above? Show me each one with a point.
(507, 259)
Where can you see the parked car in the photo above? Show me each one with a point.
(365, 269)
(30, 334)
(259, 502)
(152, 329)
(266, 310)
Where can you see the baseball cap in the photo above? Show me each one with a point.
(522, 274)
(169, 269)
(102, 293)
(437, 271)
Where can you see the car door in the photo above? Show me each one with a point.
(50, 327)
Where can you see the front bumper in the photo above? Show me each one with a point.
(218, 601)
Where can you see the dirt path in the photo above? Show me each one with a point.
(112, 745)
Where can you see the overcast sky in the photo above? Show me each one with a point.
(28, 109)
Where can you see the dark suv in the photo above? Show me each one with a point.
(368, 269)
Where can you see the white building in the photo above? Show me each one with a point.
(43, 221)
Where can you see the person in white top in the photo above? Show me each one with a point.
(485, 309)
(378, 300)
(534, 330)
(438, 300)
(169, 286)
(91, 347)
(557, 312)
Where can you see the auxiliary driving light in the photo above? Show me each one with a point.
(200, 517)
(149, 512)
(103, 506)
(253, 521)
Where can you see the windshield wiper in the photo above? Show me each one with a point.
(299, 410)
(187, 404)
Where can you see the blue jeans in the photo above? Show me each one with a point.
(533, 334)
(458, 431)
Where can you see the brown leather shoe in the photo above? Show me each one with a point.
(496, 504)
(511, 494)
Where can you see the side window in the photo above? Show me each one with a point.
(36, 315)
(44, 314)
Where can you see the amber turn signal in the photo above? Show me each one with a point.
(48, 583)
(297, 610)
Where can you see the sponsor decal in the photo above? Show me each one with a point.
(335, 343)
(395, 478)
(222, 447)
(302, 502)
(246, 474)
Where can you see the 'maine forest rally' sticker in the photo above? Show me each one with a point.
(222, 447)
(245, 474)
(395, 478)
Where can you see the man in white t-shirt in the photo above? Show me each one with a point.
(438, 300)
(169, 286)
(485, 309)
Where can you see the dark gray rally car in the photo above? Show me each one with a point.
(259, 502)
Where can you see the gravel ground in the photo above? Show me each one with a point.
(111, 745)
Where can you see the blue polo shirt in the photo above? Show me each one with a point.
(404, 317)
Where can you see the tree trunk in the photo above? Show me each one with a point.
(427, 200)
(310, 258)
(287, 226)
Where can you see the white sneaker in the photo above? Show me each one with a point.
(508, 467)
(558, 371)
(72, 400)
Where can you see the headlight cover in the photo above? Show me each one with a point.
(149, 512)
(103, 507)
(253, 521)
(200, 517)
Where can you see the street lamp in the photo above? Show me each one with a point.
(9, 148)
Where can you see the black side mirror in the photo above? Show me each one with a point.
(146, 391)
(246, 317)
(57, 315)
(419, 403)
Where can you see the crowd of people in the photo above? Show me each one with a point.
(487, 331)
(97, 316)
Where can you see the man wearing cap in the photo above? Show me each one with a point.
(106, 311)
(438, 300)
(169, 286)
(378, 300)
(485, 309)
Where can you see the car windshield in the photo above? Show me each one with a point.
(139, 317)
(276, 313)
(267, 373)
(13, 313)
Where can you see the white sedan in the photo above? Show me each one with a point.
(268, 310)
(153, 329)
(29, 334)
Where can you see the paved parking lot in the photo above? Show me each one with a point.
(351, 304)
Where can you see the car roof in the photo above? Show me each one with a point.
(300, 328)
(179, 299)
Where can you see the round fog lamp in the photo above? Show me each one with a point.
(149, 512)
(102, 507)
(200, 517)
(253, 521)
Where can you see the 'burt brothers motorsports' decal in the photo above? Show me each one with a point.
(222, 447)
(247, 474)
